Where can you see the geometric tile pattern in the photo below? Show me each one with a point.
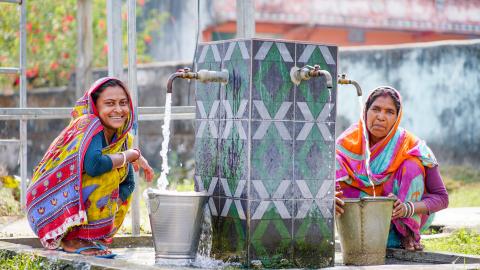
(264, 151)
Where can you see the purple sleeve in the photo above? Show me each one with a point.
(436, 196)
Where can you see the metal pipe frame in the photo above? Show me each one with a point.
(23, 113)
(132, 86)
(9, 70)
(23, 102)
(11, 1)
(144, 113)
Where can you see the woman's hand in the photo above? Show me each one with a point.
(338, 203)
(141, 162)
(399, 208)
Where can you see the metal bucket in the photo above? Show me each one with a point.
(364, 228)
(176, 221)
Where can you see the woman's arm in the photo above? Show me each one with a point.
(95, 163)
(126, 187)
(434, 200)
(119, 160)
(436, 196)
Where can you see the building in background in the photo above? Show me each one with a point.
(353, 22)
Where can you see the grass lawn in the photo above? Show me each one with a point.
(463, 185)
(461, 241)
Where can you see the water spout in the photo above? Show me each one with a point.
(343, 80)
(297, 75)
(202, 75)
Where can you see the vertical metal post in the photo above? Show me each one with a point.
(132, 85)
(245, 18)
(114, 33)
(23, 102)
(84, 46)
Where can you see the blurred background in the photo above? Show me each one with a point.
(428, 49)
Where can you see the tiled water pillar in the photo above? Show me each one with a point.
(264, 151)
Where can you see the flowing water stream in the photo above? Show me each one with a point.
(162, 181)
(367, 144)
(203, 259)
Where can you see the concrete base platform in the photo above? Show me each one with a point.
(138, 253)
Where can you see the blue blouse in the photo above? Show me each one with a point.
(95, 164)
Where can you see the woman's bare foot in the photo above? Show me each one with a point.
(408, 243)
(75, 244)
(418, 246)
(106, 241)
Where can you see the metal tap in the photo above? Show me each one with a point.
(202, 75)
(297, 75)
(342, 80)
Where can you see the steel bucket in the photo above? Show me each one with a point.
(176, 220)
(364, 228)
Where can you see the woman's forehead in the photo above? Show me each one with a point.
(113, 92)
(384, 101)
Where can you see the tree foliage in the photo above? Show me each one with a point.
(52, 37)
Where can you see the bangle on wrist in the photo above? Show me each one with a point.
(139, 153)
(124, 159)
(412, 206)
(407, 210)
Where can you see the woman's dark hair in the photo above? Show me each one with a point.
(109, 83)
(383, 91)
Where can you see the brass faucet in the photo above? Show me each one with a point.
(342, 80)
(297, 75)
(202, 75)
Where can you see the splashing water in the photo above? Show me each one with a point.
(202, 259)
(162, 180)
(367, 145)
(205, 244)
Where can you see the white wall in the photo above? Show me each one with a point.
(440, 86)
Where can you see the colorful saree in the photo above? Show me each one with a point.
(396, 165)
(62, 200)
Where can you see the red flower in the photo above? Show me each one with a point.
(16, 81)
(54, 65)
(32, 72)
(141, 2)
(66, 55)
(29, 27)
(101, 24)
(49, 37)
(68, 18)
(105, 48)
(147, 38)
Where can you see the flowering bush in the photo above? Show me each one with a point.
(52, 38)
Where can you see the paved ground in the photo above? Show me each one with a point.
(455, 218)
(144, 258)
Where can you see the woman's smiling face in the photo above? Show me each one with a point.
(381, 117)
(113, 107)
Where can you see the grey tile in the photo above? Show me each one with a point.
(272, 189)
(314, 159)
(206, 157)
(273, 210)
(271, 81)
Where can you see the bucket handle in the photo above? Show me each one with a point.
(152, 207)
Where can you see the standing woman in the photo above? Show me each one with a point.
(397, 163)
(80, 191)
